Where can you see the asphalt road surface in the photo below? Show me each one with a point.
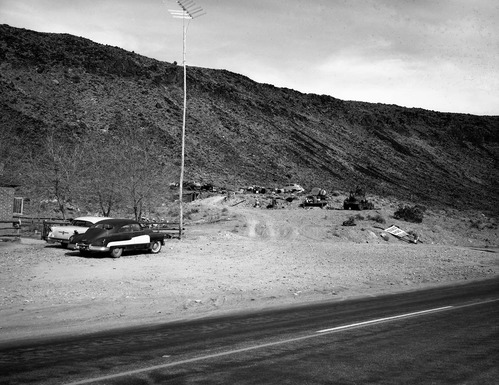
(447, 335)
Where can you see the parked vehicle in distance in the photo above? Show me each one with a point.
(317, 198)
(114, 236)
(293, 188)
(61, 234)
(357, 200)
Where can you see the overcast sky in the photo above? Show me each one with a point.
(440, 55)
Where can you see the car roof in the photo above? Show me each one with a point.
(118, 221)
(90, 219)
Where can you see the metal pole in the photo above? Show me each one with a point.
(189, 11)
(182, 157)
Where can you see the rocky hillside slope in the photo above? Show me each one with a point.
(240, 132)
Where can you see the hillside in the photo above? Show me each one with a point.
(240, 132)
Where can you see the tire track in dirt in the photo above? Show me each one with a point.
(262, 225)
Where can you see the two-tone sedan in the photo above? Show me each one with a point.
(61, 234)
(114, 236)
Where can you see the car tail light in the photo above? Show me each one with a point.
(100, 242)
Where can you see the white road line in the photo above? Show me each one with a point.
(270, 344)
(380, 320)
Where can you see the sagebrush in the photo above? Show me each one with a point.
(413, 214)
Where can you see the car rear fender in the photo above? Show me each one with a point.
(131, 241)
(158, 237)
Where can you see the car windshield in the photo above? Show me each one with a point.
(82, 223)
(104, 226)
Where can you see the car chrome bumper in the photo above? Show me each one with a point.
(80, 246)
(56, 240)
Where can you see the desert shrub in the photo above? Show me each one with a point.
(192, 211)
(225, 210)
(350, 222)
(414, 235)
(172, 211)
(413, 214)
(188, 214)
(376, 218)
(360, 217)
(476, 224)
(481, 225)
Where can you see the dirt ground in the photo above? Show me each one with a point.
(235, 257)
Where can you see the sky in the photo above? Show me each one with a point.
(440, 55)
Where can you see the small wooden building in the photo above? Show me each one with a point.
(9, 206)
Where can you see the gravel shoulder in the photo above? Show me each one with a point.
(232, 258)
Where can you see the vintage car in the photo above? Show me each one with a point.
(114, 236)
(357, 200)
(61, 234)
(317, 198)
(315, 201)
(293, 188)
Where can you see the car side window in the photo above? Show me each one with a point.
(125, 229)
(104, 226)
(135, 227)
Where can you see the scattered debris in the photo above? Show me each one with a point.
(256, 189)
(273, 204)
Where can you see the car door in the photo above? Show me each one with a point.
(122, 233)
(129, 236)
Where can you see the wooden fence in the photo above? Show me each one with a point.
(40, 227)
(10, 228)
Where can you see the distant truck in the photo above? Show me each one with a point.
(357, 201)
(317, 198)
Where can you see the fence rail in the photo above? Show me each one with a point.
(10, 228)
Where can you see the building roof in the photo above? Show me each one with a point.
(4, 182)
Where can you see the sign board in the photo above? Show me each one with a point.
(394, 230)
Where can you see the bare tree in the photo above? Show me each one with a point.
(143, 168)
(120, 171)
(102, 187)
(53, 172)
(125, 170)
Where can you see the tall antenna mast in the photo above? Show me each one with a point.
(189, 11)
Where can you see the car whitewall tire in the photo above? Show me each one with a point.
(155, 247)
(116, 252)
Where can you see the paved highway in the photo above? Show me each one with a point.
(445, 335)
